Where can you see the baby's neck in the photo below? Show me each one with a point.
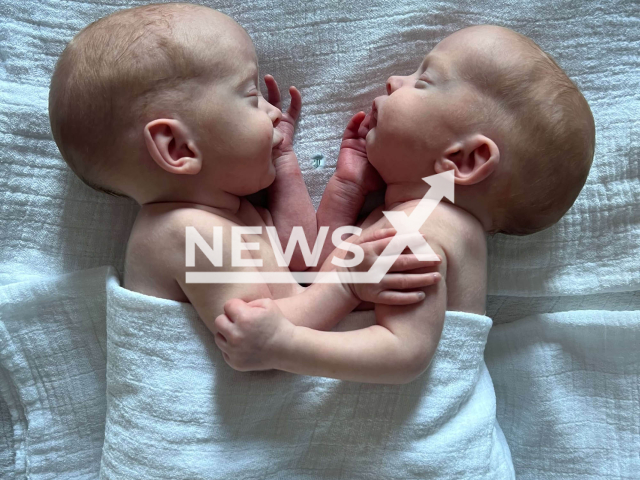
(398, 193)
(212, 198)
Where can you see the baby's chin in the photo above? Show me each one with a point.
(372, 147)
(370, 139)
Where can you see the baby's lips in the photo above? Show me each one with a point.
(373, 120)
(374, 113)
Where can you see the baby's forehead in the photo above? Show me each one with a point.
(480, 50)
(218, 43)
(477, 41)
(481, 38)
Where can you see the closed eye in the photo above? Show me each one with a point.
(422, 82)
(253, 95)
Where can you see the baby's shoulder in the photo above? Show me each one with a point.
(456, 228)
(447, 224)
(457, 233)
(461, 238)
(155, 252)
(167, 224)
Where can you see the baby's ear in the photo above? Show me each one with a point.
(171, 145)
(472, 159)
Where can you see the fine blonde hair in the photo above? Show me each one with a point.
(106, 80)
(548, 135)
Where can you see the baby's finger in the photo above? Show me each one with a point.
(273, 92)
(352, 127)
(408, 261)
(296, 103)
(413, 241)
(389, 297)
(222, 324)
(234, 307)
(399, 281)
(385, 237)
(376, 235)
(221, 341)
(364, 126)
(378, 246)
(261, 303)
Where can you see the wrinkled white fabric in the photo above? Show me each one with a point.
(175, 409)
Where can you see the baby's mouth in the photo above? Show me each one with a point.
(373, 119)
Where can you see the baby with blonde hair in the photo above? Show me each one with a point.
(517, 136)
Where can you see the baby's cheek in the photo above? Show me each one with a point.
(264, 136)
(394, 120)
(255, 143)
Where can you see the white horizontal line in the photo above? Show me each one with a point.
(281, 277)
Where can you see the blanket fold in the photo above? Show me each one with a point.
(52, 376)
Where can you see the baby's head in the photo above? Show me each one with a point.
(161, 103)
(488, 103)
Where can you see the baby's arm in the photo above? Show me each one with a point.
(289, 202)
(311, 307)
(321, 305)
(353, 179)
(258, 336)
(395, 350)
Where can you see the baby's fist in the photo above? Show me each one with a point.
(251, 335)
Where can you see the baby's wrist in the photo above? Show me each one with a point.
(346, 288)
(342, 292)
(285, 353)
(283, 348)
(287, 163)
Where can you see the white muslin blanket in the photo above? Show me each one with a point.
(53, 377)
(175, 409)
(568, 393)
(566, 386)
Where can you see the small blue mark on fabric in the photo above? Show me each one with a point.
(318, 160)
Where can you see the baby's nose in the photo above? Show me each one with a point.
(275, 115)
(394, 82)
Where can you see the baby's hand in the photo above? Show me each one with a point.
(353, 165)
(287, 123)
(251, 335)
(373, 242)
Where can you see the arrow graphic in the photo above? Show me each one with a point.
(408, 228)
